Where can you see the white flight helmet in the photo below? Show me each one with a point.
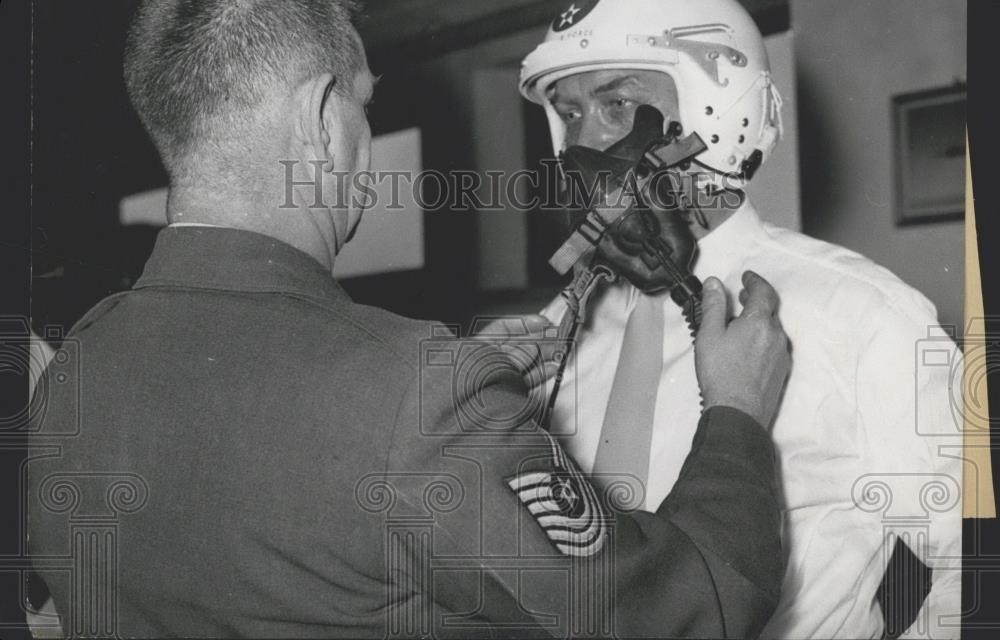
(713, 51)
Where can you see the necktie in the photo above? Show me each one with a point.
(626, 434)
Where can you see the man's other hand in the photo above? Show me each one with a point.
(531, 343)
(742, 363)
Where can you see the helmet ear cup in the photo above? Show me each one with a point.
(713, 51)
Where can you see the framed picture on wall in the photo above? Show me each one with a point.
(930, 138)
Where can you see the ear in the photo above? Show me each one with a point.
(313, 135)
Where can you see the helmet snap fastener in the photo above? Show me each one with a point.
(584, 43)
(732, 159)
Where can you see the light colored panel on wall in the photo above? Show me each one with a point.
(148, 207)
(386, 241)
(389, 240)
(775, 191)
(852, 57)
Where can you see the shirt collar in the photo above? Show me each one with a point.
(221, 258)
(725, 248)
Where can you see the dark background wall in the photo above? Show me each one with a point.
(88, 150)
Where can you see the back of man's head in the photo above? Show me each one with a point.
(207, 77)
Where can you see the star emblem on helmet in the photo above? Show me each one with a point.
(573, 14)
(568, 15)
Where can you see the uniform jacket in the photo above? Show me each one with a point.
(271, 459)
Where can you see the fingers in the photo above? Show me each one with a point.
(758, 296)
(497, 328)
(538, 376)
(505, 328)
(529, 343)
(556, 310)
(714, 312)
(536, 324)
(536, 363)
(755, 341)
(546, 350)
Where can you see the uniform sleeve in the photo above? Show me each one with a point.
(906, 375)
(516, 542)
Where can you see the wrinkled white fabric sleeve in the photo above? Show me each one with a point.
(911, 424)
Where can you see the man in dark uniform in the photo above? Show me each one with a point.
(259, 456)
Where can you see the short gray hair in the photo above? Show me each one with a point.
(189, 63)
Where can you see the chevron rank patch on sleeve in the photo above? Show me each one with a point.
(564, 504)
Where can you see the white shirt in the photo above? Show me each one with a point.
(847, 435)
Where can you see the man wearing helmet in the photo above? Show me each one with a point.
(848, 420)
